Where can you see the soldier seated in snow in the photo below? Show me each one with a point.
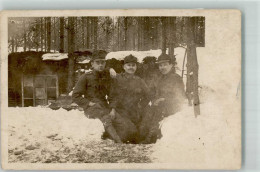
(91, 91)
(128, 97)
(168, 98)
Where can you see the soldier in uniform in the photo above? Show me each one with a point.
(150, 74)
(129, 96)
(91, 90)
(168, 98)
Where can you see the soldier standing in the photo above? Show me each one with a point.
(129, 96)
(168, 98)
(91, 90)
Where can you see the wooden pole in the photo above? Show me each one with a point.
(192, 67)
(22, 90)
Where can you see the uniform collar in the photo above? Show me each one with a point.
(126, 75)
(97, 73)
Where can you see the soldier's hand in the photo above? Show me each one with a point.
(112, 114)
(91, 104)
(156, 102)
(112, 72)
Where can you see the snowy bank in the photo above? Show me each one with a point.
(212, 139)
(37, 123)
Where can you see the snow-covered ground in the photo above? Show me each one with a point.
(211, 138)
(39, 134)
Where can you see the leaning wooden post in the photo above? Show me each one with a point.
(192, 68)
(195, 78)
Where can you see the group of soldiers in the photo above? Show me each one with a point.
(130, 106)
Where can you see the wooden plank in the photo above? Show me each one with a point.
(22, 92)
(57, 86)
(46, 91)
(34, 91)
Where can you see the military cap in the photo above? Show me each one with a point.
(164, 58)
(130, 59)
(99, 55)
(148, 59)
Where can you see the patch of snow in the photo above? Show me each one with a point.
(55, 56)
(83, 70)
(84, 61)
(21, 49)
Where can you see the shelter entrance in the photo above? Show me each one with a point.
(39, 89)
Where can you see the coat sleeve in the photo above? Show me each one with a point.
(180, 89)
(146, 94)
(177, 92)
(78, 92)
(112, 97)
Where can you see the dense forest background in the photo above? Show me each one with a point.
(68, 34)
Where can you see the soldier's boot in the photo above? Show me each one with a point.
(105, 135)
(113, 134)
(148, 138)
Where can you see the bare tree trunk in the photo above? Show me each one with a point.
(54, 34)
(95, 32)
(92, 33)
(139, 34)
(88, 33)
(37, 36)
(29, 41)
(71, 49)
(125, 33)
(164, 35)
(45, 34)
(172, 40)
(41, 34)
(61, 35)
(107, 33)
(75, 32)
(24, 37)
(48, 34)
(134, 35)
(12, 44)
(16, 44)
(83, 20)
(118, 33)
(113, 34)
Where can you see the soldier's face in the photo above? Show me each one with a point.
(165, 67)
(98, 65)
(130, 68)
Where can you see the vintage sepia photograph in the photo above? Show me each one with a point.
(121, 89)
